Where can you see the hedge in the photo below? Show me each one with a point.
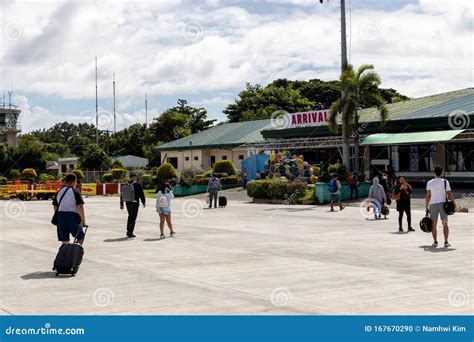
(225, 166)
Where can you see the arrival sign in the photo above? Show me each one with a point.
(303, 119)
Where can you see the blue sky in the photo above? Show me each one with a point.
(205, 51)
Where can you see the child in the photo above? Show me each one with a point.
(163, 208)
(378, 196)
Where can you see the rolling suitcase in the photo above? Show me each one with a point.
(222, 201)
(69, 258)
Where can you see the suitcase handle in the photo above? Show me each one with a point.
(85, 231)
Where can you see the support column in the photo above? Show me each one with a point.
(395, 160)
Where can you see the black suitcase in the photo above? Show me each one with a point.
(222, 201)
(69, 258)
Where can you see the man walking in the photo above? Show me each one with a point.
(437, 190)
(353, 183)
(213, 187)
(334, 188)
(132, 193)
(69, 205)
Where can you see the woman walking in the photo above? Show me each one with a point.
(402, 194)
(378, 197)
(163, 208)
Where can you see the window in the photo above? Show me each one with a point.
(224, 157)
(213, 160)
(459, 157)
(186, 158)
(379, 152)
(2, 119)
(418, 158)
(173, 161)
(241, 157)
(196, 158)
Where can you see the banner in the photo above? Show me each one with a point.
(89, 189)
(305, 119)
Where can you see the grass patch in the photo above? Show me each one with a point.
(150, 193)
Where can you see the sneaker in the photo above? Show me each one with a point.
(401, 229)
(162, 236)
(332, 209)
(447, 244)
(341, 207)
(173, 233)
(411, 229)
(376, 217)
(130, 235)
(435, 244)
(380, 216)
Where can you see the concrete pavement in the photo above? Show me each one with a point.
(243, 259)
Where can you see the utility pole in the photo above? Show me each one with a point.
(346, 160)
(96, 107)
(113, 83)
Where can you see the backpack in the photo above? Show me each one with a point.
(332, 187)
(163, 201)
(128, 192)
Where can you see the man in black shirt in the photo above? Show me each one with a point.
(132, 193)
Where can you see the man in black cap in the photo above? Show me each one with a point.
(132, 193)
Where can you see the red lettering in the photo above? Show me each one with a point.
(320, 117)
(314, 116)
(326, 116)
(299, 118)
(305, 118)
(293, 119)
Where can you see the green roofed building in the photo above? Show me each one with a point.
(420, 133)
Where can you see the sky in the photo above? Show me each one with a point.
(205, 51)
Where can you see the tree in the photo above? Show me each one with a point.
(359, 87)
(95, 158)
(29, 154)
(169, 126)
(197, 116)
(256, 102)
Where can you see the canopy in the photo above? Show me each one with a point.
(408, 138)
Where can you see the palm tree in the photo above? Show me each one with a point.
(359, 87)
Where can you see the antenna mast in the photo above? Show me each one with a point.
(115, 126)
(96, 107)
(146, 111)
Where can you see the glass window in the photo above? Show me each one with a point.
(460, 157)
(418, 158)
(186, 158)
(224, 157)
(241, 157)
(196, 158)
(2, 119)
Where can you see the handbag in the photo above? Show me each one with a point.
(448, 205)
(54, 220)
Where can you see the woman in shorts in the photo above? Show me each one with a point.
(163, 208)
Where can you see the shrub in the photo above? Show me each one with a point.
(220, 174)
(118, 173)
(108, 177)
(337, 168)
(343, 177)
(230, 180)
(296, 187)
(15, 174)
(208, 173)
(187, 176)
(225, 166)
(200, 181)
(147, 181)
(267, 188)
(316, 170)
(117, 164)
(43, 177)
(79, 174)
(29, 174)
(165, 173)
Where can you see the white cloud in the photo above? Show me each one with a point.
(175, 48)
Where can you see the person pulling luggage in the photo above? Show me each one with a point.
(132, 193)
(69, 211)
(213, 187)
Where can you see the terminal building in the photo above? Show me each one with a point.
(419, 133)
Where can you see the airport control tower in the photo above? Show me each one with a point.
(9, 127)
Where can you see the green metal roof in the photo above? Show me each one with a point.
(226, 135)
(425, 107)
(408, 138)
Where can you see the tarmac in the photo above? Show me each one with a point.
(245, 259)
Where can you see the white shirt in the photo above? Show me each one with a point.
(438, 192)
